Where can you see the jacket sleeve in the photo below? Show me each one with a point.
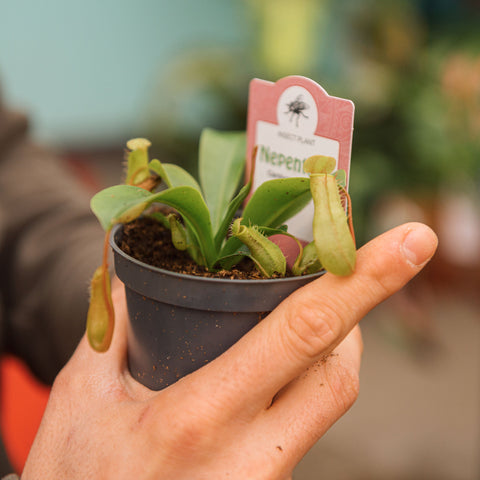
(50, 244)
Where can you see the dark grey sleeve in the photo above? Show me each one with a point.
(50, 246)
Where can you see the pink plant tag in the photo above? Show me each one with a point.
(289, 121)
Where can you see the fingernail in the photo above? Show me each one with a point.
(419, 245)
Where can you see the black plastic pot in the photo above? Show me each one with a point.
(177, 322)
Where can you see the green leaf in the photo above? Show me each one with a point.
(123, 203)
(112, 205)
(275, 201)
(173, 175)
(271, 205)
(221, 166)
(190, 204)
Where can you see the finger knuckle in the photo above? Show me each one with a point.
(344, 383)
(312, 328)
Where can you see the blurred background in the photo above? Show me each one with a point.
(93, 74)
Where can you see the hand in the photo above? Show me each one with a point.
(252, 413)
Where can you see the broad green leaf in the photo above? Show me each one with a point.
(190, 204)
(275, 201)
(173, 175)
(271, 205)
(123, 203)
(178, 177)
(113, 204)
(221, 166)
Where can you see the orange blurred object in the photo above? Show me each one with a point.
(23, 401)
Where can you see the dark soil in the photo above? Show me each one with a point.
(150, 242)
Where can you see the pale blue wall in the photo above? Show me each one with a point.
(83, 69)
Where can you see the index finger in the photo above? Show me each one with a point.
(315, 319)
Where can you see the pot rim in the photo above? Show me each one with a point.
(113, 244)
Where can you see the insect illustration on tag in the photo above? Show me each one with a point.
(296, 108)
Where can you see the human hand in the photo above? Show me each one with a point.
(252, 413)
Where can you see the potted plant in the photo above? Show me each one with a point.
(179, 321)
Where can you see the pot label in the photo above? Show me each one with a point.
(289, 121)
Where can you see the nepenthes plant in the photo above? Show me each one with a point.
(205, 223)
